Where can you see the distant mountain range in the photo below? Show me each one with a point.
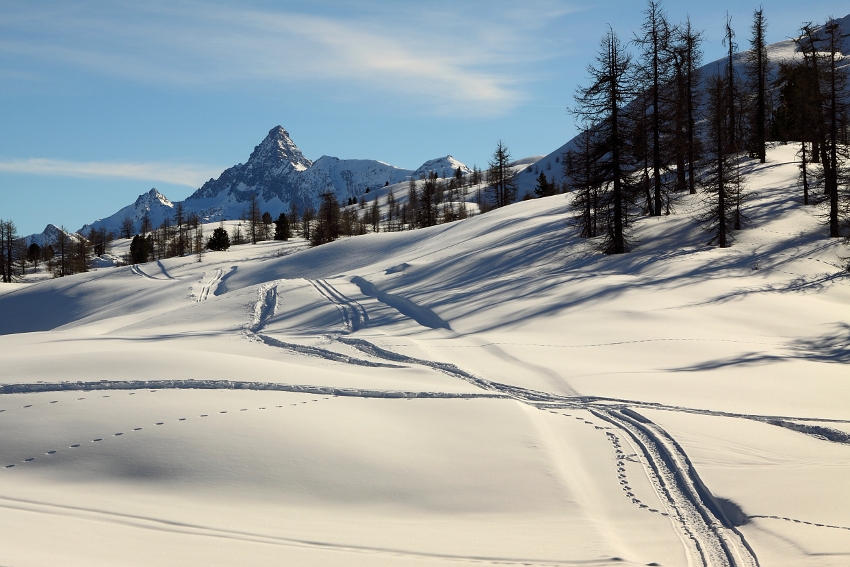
(279, 174)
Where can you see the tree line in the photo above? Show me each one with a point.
(652, 126)
(63, 255)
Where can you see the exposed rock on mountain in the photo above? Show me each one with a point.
(280, 176)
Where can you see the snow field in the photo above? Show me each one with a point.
(504, 394)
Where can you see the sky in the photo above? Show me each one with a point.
(101, 101)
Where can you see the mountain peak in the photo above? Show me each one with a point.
(145, 200)
(278, 149)
(442, 166)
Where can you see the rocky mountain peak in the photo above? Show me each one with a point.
(152, 197)
(278, 149)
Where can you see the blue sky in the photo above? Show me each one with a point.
(100, 101)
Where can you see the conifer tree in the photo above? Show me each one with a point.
(723, 179)
(327, 222)
(219, 240)
(757, 73)
(8, 236)
(835, 88)
(281, 228)
(501, 178)
(655, 55)
(127, 228)
(601, 103)
(582, 172)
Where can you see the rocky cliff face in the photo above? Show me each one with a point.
(272, 171)
(279, 174)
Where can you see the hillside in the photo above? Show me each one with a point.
(491, 390)
(782, 51)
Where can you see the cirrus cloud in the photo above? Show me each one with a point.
(188, 175)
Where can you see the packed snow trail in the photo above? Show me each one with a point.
(707, 535)
(106, 385)
(265, 308)
(177, 527)
(354, 316)
(207, 287)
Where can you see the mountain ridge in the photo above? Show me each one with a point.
(279, 174)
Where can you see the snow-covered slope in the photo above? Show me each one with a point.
(488, 391)
(552, 164)
(48, 236)
(443, 167)
(155, 204)
(349, 178)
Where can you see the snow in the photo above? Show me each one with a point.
(492, 390)
(443, 167)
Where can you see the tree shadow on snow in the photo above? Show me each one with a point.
(833, 347)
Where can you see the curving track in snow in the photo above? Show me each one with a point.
(354, 316)
(210, 285)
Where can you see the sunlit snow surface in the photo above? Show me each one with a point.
(491, 391)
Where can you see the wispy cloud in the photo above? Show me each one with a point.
(468, 58)
(176, 174)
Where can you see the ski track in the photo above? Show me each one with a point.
(354, 316)
(708, 537)
(266, 307)
(173, 527)
(208, 287)
(141, 273)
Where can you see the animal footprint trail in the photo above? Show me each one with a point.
(710, 540)
(804, 522)
(99, 440)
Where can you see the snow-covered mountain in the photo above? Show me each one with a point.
(280, 175)
(443, 167)
(48, 236)
(349, 177)
(154, 203)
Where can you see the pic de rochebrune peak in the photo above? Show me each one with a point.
(280, 176)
